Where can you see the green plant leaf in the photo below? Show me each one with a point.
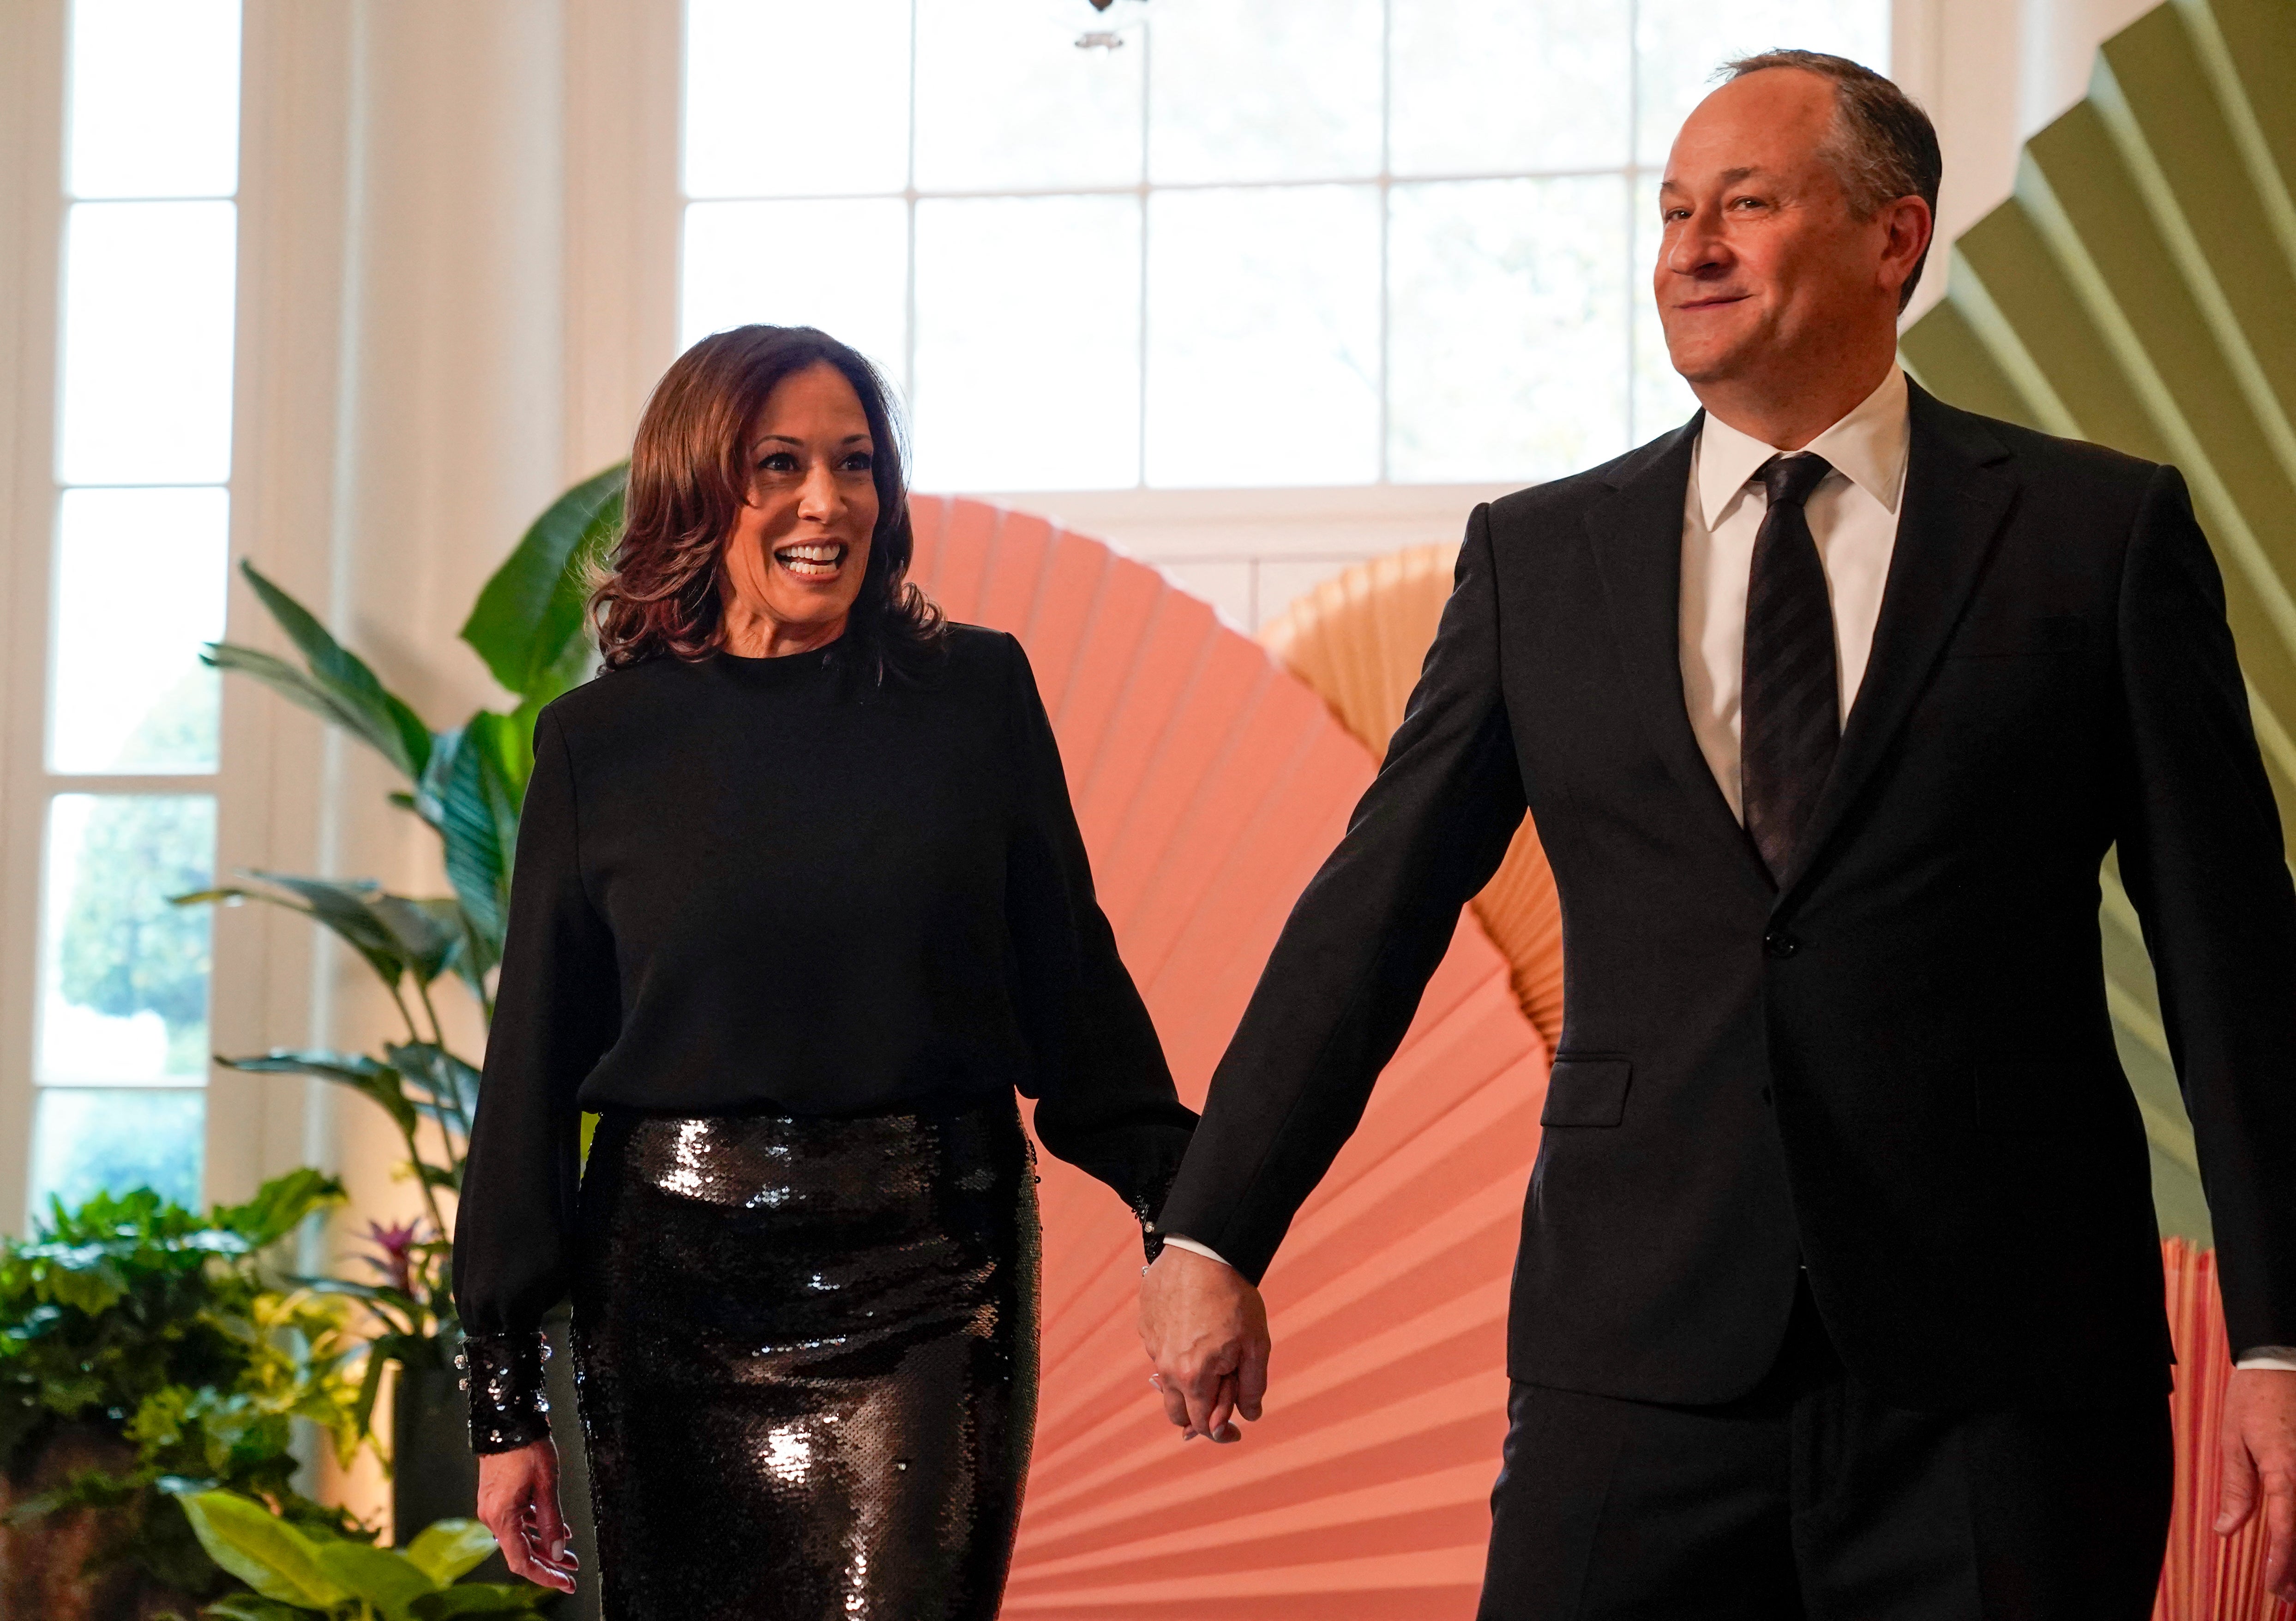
(279, 1205)
(526, 623)
(368, 709)
(483, 1599)
(355, 1070)
(472, 795)
(448, 1548)
(380, 1576)
(452, 1084)
(425, 932)
(262, 1549)
(344, 907)
(247, 1607)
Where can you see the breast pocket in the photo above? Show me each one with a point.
(1587, 1090)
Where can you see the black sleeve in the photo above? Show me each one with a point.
(2202, 857)
(1104, 1096)
(1346, 976)
(557, 1008)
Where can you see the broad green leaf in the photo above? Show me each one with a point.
(344, 907)
(382, 719)
(449, 1081)
(247, 1607)
(261, 1550)
(355, 1070)
(425, 932)
(299, 688)
(448, 1548)
(469, 796)
(279, 1205)
(527, 624)
(483, 1599)
(380, 1576)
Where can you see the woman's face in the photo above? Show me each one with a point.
(801, 543)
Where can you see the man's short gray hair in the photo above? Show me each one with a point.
(1883, 144)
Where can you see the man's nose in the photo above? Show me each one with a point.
(1695, 246)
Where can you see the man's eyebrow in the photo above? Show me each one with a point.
(1728, 176)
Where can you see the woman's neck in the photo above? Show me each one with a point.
(753, 633)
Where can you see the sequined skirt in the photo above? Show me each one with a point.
(807, 1358)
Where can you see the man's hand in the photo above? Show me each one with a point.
(2260, 1467)
(1206, 1331)
(517, 1500)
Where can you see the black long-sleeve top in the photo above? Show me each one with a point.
(748, 884)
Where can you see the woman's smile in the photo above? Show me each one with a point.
(812, 560)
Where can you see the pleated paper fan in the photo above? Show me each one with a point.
(1211, 783)
(1358, 639)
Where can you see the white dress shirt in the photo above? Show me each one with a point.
(1853, 516)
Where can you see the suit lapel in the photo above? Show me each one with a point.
(1636, 534)
(1960, 484)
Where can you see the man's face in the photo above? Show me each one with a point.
(1762, 261)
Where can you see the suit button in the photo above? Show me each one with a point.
(1778, 942)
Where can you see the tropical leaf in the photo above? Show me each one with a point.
(369, 709)
(347, 907)
(526, 623)
(448, 1548)
(452, 1084)
(483, 1599)
(280, 1205)
(262, 1549)
(382, 1577)
(248, 1606)
(427, 932)
(355, 1070)
(472, 796)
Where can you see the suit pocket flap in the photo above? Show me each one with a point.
(1587, 1092)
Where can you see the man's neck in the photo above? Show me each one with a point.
(1786, 411)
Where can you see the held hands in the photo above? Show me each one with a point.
(1205, 1330)
(2260, 1467)
(517, 1500)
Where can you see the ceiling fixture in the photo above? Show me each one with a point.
(1102, 39)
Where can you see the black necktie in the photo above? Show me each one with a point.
(1791, 704)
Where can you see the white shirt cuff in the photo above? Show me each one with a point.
(1173, 1240)
(2281, 1358)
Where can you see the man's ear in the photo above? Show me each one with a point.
(1910, 227)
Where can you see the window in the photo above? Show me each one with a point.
(1194, 244)
(138, 582)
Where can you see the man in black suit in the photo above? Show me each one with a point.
(1839, 1292)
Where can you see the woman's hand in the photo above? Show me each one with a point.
(517, 1500)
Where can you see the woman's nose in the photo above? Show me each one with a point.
(820, 498)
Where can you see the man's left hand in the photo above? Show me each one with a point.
(2260, 1467)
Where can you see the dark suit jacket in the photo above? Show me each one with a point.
(1898, 1068)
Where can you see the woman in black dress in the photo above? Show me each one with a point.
(799, 901)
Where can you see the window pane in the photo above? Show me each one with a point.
(1263, 336)
(147, 343)
(1662, 400)
(1005, 99)
(125, 993)
(140, 583)
(1683, 42)
(1028, 343)
(1490, 86)
(841, 266)
(1508, 327)
(89, 1143)
(1272, 90)
(791, 97)
(154, 98)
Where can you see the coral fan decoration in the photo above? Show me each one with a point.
(2207, 1577)
(1357, 639)
(1211, 784)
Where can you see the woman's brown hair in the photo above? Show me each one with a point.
(689, 478)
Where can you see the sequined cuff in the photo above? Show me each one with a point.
(503, 1373)
(1148, 1205)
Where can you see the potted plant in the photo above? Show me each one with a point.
(145, 1348)
(465, 783)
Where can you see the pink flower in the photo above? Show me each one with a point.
(395, 1248)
